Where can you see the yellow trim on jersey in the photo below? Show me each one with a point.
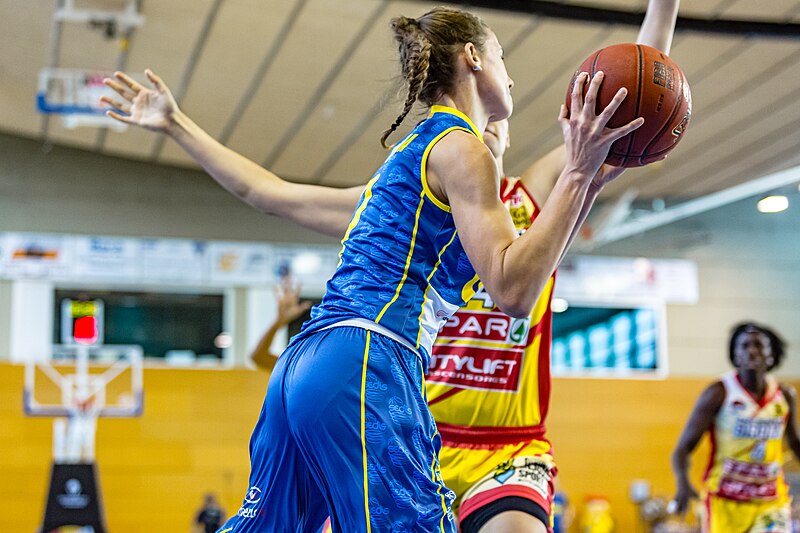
(425, 296)
(423, 172)
(226, 530)
(469, 289)
(363, 430)
(439, 492)
(408, 259)
(453, 111)
(543, 303)
(357, 215)
(404, 144)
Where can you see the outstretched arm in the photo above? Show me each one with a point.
(289, 308)
(658, 26)
(700, 421)
(323, 209)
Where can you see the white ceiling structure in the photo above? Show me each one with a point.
(305, 87)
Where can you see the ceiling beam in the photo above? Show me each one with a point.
(543, 8)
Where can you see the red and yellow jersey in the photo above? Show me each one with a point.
(746, 461)
(488, 380)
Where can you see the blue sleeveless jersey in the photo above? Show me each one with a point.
(402, 265)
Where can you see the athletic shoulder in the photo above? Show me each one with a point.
(713, 396)
(460, 154)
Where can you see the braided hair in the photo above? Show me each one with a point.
(428, 47)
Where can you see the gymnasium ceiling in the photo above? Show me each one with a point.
(298, 85)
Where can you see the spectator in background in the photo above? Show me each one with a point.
(210, 517)
(289, 308)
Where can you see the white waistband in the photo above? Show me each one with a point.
(377, 328)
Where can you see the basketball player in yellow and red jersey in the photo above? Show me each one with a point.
(748, 414)
(494, 432)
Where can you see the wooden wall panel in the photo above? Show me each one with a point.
(195, 431)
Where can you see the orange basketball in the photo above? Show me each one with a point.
(657, 91)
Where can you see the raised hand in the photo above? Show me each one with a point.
(586, 136)
(289, 305)
(152, 109)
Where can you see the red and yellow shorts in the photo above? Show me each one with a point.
(723, 515)
(482, 474)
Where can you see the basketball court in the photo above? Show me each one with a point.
(133, 287)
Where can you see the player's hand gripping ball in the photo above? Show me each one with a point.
(657, 91)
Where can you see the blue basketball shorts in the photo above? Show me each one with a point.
(345, 431)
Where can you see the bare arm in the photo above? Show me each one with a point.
(289, 308)
(792, 436)
(515, 270)
(700, 421)
(658, 26)
(323, 209)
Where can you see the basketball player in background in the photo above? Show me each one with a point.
(288, 308)
(748, 415)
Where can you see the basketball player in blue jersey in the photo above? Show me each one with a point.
(345, 429)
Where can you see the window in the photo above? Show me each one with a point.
(607, 340)
(160, 323)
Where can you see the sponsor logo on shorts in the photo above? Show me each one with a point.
(531, 471)
(252, 498)
(535, 473)
(253, 495)
(504, 472)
